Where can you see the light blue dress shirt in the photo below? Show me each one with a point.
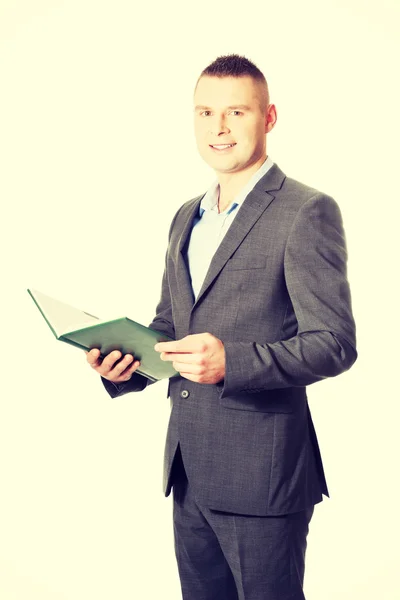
(211, 226)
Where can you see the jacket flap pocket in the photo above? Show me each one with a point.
(271, 401)
(246, 262)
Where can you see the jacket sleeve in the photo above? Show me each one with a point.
(315, 270)
(162, 322)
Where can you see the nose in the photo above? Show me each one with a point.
(219, 126)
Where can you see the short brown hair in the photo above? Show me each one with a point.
(234, 65)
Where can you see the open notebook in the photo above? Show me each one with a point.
(86, 331)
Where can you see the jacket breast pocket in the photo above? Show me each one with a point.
(246, 262)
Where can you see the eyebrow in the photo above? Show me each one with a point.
(235, 107)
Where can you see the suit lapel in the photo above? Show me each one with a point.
(256, 202)
(185, 291)
(191, 211)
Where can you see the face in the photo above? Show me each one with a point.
(231, 123)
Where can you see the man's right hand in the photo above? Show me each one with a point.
(111, 367)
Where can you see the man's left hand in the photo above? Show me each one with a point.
(199, 357)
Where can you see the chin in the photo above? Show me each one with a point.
(222, 168)
(222, 163)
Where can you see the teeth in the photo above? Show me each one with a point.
(223, 147)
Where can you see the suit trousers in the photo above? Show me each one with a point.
(227, 556)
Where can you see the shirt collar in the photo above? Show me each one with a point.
(210, 199)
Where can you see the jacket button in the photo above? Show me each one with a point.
(185, 394)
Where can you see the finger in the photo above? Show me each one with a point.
(167, 347)
(186, 368)
(110, 360)
(182, 357)
(93, 357)
(128, 372)
(120, 367)
(108, 363)
(134, 367)
(182, 346)
(191, 377)
(190, 343)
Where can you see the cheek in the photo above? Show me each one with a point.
(245, 134)
(201, 137)
(253, 141)
(200, 143)
(202, 147)
(201, 127)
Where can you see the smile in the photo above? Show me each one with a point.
(221, 147)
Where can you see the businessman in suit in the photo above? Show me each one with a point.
(255, 294)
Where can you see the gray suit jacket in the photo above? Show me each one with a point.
(277, 295)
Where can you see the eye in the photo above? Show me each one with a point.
(205, 113)
(237, 112)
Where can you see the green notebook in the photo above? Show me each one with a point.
(85, 331)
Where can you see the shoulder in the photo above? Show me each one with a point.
(299, 193)
(290, 193)
(297, 188)
(310, 210)
(296, 198)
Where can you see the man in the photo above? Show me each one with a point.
(256, 295)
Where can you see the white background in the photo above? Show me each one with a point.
(96, 154)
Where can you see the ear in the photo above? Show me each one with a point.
(270, 117)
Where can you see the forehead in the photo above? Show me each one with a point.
(224, 91)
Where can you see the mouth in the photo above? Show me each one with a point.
(222, 147)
